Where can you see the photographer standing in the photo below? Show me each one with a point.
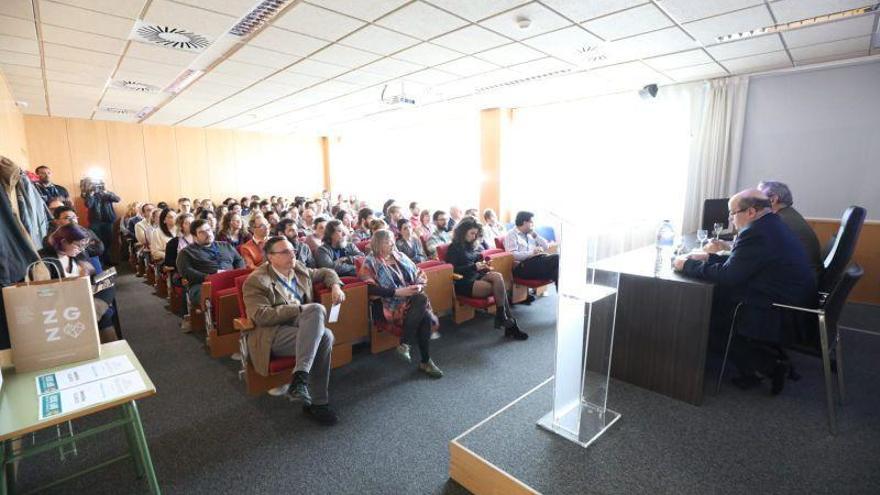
(101, 214)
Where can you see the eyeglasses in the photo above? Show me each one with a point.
(734, 213)
(287, 252)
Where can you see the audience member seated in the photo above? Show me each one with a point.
(423, 229)
(377, 224)
(492, 228)
(278, 298)
(232, 230)
(414, 214)
(766, 265)
(143, 231)
(166, 231)
(530, 251)
(473, 213)
(126, 227)
(395, 213)
(56, 202)
(440, 235)
(362, 230)
(306, 221)
(455, 216)
(781, 202)
(315, 240)
(183, 239)
(66, 215)
(347, 220)
(184, 205)
(477, 277)
(336, 252)
(67, 254)
(401, 286)
(204, 257)
(208, 214)
(408, 243)
(287, 228)
(47, 189)
(252, 250)
(273, 219)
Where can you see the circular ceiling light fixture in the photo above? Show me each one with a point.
(170, 37)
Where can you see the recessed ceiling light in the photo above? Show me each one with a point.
(169, 37)
(788, 26)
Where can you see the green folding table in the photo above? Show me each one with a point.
(19, 415)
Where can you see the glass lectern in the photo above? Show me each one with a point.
(584, 336)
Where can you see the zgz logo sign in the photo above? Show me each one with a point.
(72, 327)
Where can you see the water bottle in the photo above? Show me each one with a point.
(665, 243)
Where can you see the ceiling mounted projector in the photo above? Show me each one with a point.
(649, 91)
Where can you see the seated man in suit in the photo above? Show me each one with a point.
(278, 299)
(767, 264)
(781, 202)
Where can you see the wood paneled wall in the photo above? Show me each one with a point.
(13, 144)
(162, 163)
(867, 255)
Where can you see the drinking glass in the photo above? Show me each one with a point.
(702, 235)
(717, 227)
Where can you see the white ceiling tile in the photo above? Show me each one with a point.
(90, 78)
(366, 10)
(678, 60)
(564, 43)
(317, 22)
(21, 45)
(542, 20)
(421, 21)
(21, 70)
(269, 89)
(830, 31)
(471, 39)
(118, 97)
(294, 80)
(795, 10)
(161, 54)
(17, 27)
(362, 78)
(512, 54)
(580, 10)
(392, 68)
(23, 9)
(95, 59)
(315, 68)
(7, 57)
(631, 74)
(541, 66)
(84, 20)
(690, 10)
(746, 47)
(345, 56)
(74, 90)
(71, 107)
(129, 9)
(661, 42)
(235, 8)
(148, 67)
(708, 30)
(267, 58)
(280, 40)
(205, 90)
(828, 51)
(62, 65)
(477, 10)
(467, 66)
(696, 72)
(161, 78)
(755, 63)
(19, 83)
(208, 24)
(629, 22)
(79, 39)
(431, 77)
(378, 40)
(427, 54)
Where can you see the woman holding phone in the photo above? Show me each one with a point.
(405, 309)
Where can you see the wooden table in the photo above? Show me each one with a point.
(662, 326)
(19, 405)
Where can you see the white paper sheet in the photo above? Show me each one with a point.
(333, 317)
(90, 394)
(78, 375)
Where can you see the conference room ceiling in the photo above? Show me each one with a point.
(324, 63)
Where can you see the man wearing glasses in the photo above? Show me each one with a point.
(767, 264)
(288, 322)
(205, 257)
(65, 215)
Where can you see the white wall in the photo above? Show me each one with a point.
(819, 132)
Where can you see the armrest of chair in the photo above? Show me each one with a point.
(206, 294)
(243, 324)
(798, 308)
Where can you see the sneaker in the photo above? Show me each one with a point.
(322, 414)
(403, 353)
(435, 335)
(299, 388)
(431, 369)
(279, 391)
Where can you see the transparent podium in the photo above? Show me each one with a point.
(584, 336)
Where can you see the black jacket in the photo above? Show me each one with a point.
(195, 262)
(767, 264)
(463, 259)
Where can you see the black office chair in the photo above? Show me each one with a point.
(714, 211)
(842, 248)
(828, 314)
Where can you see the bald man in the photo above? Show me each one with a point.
(767, 264)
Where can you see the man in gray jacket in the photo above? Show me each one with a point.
(205, 257)
(781, 202)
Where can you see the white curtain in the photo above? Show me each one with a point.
(714, 165)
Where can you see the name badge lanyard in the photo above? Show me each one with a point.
(293, 290)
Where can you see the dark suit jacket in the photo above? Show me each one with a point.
(767, 264)
(805, 234)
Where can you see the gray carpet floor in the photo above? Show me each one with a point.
(207, 436)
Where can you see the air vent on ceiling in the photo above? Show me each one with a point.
(254, 20)
(788, 26)
(136, 86)
(514, 82)
(169, 37)
(592, 55)
(117, 110)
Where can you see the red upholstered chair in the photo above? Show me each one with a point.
(220, 307)
(464, 306)
(499, 242)
(363, 245)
